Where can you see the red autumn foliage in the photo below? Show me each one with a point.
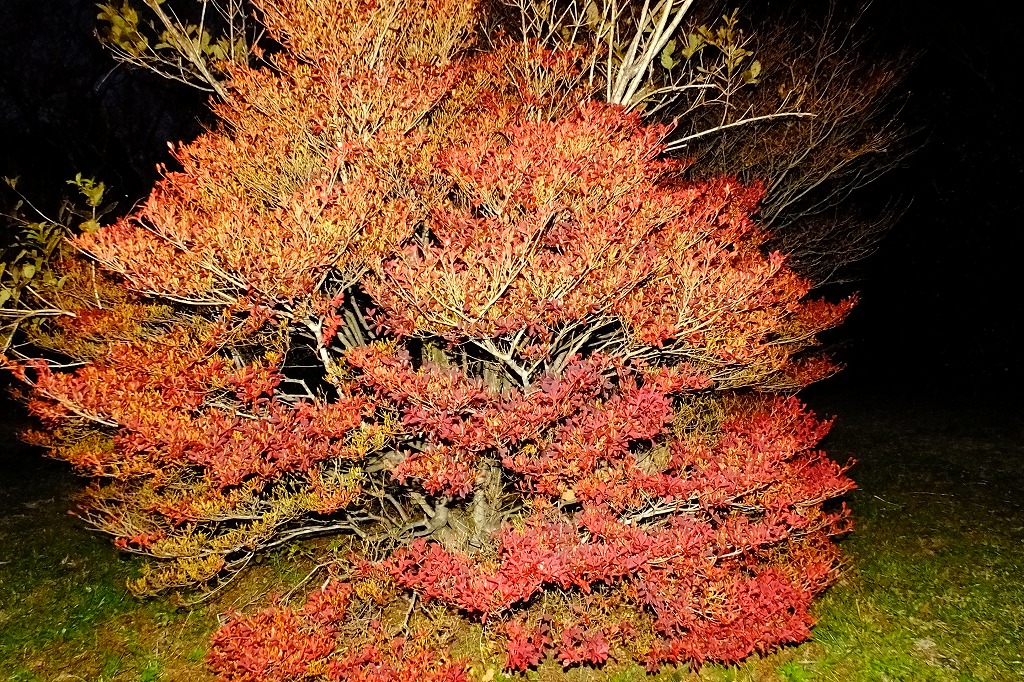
(281, 644)
(446, 302)
(526, 645)
(728, 509)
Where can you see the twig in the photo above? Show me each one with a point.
(682, 142)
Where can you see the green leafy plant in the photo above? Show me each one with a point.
(29, 269)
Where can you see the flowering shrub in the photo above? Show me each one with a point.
(445, 301)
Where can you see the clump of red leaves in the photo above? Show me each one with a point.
(283, 644)
(742, 548)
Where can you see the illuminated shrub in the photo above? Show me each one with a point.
(444, 301)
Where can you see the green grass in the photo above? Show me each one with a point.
(65, 614)
(934, 592)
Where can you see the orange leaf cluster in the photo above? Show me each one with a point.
(178, 403)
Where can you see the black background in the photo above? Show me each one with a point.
(941, 299)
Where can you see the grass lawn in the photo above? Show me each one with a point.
(934, 590)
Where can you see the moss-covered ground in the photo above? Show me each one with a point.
(934, 590)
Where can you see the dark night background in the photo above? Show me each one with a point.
(940, 300)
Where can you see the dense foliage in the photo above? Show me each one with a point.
(436, 294)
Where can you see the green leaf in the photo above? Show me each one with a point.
(204, 41)
(219, 51)
(750, 76)
(130, 16)
(7, 336)
(28, 270)
(90, 189)
(38, 233)
(666, 55)
(122, 28)
(693, 44)
(5, 295)
(94, 195)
